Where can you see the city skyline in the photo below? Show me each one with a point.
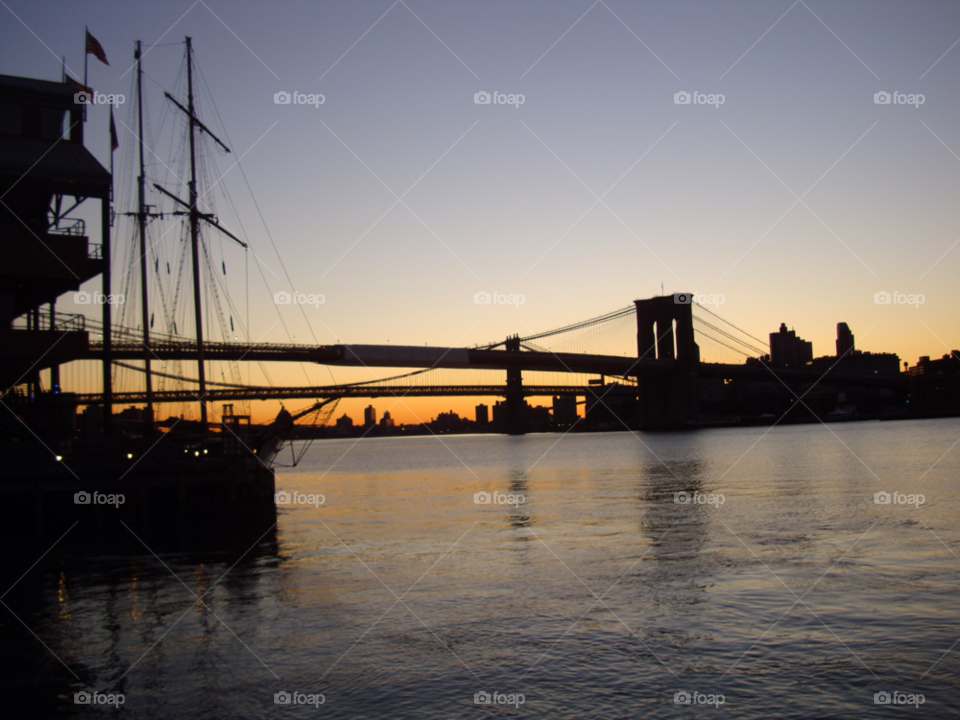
(397, 358)
(511, 199)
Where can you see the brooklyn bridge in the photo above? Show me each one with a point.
(658, 353)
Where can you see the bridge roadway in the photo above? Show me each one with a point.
(339, 391)
(399, 356)
(389, 356)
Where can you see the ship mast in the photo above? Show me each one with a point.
(194, 239)
(142, 221)
(195, 217)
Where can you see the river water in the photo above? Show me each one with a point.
(585, 588)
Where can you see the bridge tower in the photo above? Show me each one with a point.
(515, 419)
(669, 399)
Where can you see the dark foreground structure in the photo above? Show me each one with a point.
(196, 487)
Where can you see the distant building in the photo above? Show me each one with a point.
(611, 407)
(500, 412)
(789, 351)
(564, 411)
(536, 417)
(132, 414)
(483, 416)
(90, 422)
(387, 421)
(345, 421)
(370, 416)
(850, 361)
(449, 421)
(947, 365)
(845, 343)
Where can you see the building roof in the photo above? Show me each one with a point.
(11, 84)
(44, 160)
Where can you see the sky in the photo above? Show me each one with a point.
(797, 198)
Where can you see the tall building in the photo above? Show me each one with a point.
(789, 351)
(370, 415)
(345, 421)
(386, 420)
(483, 416)
(564, 411)
(845, 343)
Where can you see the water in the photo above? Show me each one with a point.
(599, 596)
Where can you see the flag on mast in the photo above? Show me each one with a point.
(114, 143)
(96, 49)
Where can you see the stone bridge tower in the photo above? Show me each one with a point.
(668, 399)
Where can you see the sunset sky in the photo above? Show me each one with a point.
(798, 198)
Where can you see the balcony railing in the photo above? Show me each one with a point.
(62, 322)
(69, 226)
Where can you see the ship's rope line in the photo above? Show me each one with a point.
(205, 86)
